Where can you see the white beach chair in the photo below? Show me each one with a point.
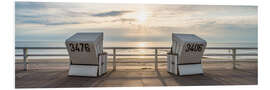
(186, 53)
(86, 54)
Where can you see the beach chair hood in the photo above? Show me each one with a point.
(189, 47)
(84, 48)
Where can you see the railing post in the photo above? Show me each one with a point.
(114, 61)
(156, 59)
(234, 57)
(25, 60)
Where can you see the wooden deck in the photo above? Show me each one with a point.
(216, 73)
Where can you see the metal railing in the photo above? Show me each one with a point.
(26, 55)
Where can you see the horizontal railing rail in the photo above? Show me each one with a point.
(137, 47)
(26, 55)
(137, 55)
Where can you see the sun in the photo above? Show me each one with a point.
(141, 16)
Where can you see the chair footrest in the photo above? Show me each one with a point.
(190, 69)
(83, 70)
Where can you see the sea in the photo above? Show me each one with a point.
(131, 51)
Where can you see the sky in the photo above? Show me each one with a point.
(56, 21)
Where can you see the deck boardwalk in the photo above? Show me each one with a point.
(215, 73)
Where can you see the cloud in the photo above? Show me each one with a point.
(43, 21)
(110, 14)
(124, 20)
(234, 27)
(29, 5)
(212, 28)
(186, 11)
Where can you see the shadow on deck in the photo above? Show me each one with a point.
(48, 78)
